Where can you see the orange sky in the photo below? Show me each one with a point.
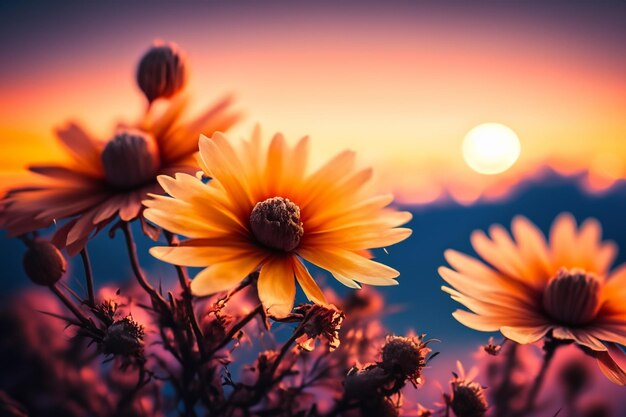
(401, 89)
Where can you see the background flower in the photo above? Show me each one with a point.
(532, 287)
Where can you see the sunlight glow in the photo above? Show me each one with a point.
(491, 148)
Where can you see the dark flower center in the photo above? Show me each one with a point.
(276, 223)
(572, 297)
(130, 159)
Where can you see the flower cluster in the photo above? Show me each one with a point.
(256, 220)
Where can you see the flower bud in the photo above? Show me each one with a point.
(162, 71)
(43, 262)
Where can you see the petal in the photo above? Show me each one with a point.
(225, 275)
(307, 283)
(524, 335)
(581, 337)
(277, 286)
(612, 363)
(350, 265)
(200, 255)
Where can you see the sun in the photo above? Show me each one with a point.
(491, 148)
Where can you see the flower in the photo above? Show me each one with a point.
(264, 210)
(531, 288)
(105, 179)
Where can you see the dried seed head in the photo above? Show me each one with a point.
(276, 224)
(43, 262)
(162, 71)
(123, 337)
(404, 357)
(572, 297)
(468, 399)
(320, 321)
(130, 159)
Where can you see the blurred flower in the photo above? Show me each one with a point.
(467, 398)
(107, 179)
(43, 262)
(574, 377)
(533, 288)
(492, 348)
(404, 357)
(162, 71)
(262, 209)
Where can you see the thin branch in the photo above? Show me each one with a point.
(184, 284)
(236, 328)
(134, 261)
(68, 303)
(91, 299)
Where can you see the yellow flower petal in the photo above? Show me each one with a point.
(277, 286)
(224, 276)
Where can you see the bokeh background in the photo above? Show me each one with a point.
(399, 82)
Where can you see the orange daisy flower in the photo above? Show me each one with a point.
(105, 179)
(532, 288)
(262, 209)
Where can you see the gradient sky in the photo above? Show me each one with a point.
(401, 82)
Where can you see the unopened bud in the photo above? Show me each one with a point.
(43, 262)
(162, 71)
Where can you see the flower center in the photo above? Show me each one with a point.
(276, 223)
(130, 159)
(572, 297)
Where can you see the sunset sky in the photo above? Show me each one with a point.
(401, 84)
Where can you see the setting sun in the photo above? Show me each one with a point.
(491, 148)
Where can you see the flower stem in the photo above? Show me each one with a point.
(187, 296)
(91, 299)
(134, 262)
(233, 331)
(549, 347)
(68, 303)
(503, 393)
